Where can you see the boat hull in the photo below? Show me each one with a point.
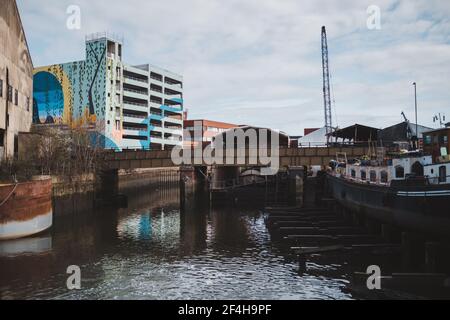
(424, 209)
(26, 209)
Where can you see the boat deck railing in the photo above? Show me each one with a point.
(233, 183)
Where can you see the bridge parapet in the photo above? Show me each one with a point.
(242, 157)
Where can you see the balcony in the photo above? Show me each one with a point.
(173, 140)
(172, 120)
(134, 128)
(155, 123)
(132, 118)
(157, 140)
(136, 106)
(170, 94)
(135, 81)
(172, 108)
(156, 101)
(156, 112)
(135, 70)
(133, 132)
(133, 93)
(156, 88)
(174, 130)
(157, 129)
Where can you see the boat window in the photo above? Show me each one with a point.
(384, 177)
(442, 174)
(417, 169)
(399, 172)
(373, 176)
(353, 173)
(363, 175)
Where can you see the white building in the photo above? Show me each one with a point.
(156, 94)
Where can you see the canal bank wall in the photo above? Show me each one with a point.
(79, 194)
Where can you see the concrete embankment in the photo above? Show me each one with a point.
(76, 195)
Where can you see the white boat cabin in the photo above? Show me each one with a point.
(397, 169)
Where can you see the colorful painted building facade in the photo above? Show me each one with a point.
(129, 107)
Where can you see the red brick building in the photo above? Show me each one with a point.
(208, 129)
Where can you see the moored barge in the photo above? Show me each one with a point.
(25, 208)
(409, 190)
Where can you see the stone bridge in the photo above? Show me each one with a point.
(134, 159)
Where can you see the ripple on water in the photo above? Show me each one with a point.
(149, 256)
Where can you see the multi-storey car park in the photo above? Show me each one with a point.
(130, 107)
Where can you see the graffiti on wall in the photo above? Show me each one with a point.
(73, 93)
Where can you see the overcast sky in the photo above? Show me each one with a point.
(258, 62)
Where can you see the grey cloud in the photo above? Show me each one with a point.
(258, 61)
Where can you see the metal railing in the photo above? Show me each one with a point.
(156, 78)
(438, 180)
(136, 104)
(135, 79)
(105, 34)
(136, 91)
(129, 115)
(134, 128)
(156, 89)
(233, 183)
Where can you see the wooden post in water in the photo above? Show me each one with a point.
(413, 251)
(295, 186)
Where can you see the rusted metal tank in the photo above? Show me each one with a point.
(25, 208)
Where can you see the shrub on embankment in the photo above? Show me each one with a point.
(55, 152)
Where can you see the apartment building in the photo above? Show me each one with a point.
(16, 80)
(128, 107)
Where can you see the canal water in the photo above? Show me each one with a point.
(153, 251)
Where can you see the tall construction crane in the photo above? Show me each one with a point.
(326, 86)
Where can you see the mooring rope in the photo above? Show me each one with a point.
(10, 194)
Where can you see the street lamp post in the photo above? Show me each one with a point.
(415, 100)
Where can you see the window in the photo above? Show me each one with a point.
(2, 137)
(16, 97)
(384, 177)
(363, 175)
(373, 176)
(1, 88)
(427, 140)
(353, 173)
(16, 146)
(442, 174)
(399, 172)
(28, 104)
(10, 93)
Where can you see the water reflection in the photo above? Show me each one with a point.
(152, 251)
(34, 245)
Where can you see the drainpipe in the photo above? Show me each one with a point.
(5, 138)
